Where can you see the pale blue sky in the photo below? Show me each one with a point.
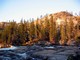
(26, 9)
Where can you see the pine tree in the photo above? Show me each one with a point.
(42, 29)
(52, 32)
(31, 30)
(77, 34)
(36, 28)
(63, 36)
(47, 25)
(8, 32)
(70, 31)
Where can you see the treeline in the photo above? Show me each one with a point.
(47, 29)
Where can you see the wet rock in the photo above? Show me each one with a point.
(36, 52)
(74, 57)
(24, 55)
(4, 58)
(40, 57)
(3, 52)
(42, 43)
(35, 47)
(11, 54)
(8, 55)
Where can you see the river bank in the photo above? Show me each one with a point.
(36, 52)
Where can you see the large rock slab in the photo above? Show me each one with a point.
(59, 53)
(36, 52)
(45, 53)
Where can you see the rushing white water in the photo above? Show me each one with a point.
(10, 48)
(50, 47)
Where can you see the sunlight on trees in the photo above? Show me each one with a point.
(48, 29)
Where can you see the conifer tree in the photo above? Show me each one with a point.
(52, 32)
(77, 34)
(31, 30)
(47, 25)
(36, 28)
(42, 29)
(69, 30)
(63, 36)
(21, 36)
(8, 32)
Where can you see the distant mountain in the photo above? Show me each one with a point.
(62, 16)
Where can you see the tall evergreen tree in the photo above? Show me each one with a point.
(63, 36)
(52, 32)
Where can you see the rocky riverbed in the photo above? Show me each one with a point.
(36, 52)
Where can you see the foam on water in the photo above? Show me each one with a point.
(10, 48)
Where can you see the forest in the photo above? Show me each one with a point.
(32, 31)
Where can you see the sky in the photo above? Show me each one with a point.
(26, 9)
